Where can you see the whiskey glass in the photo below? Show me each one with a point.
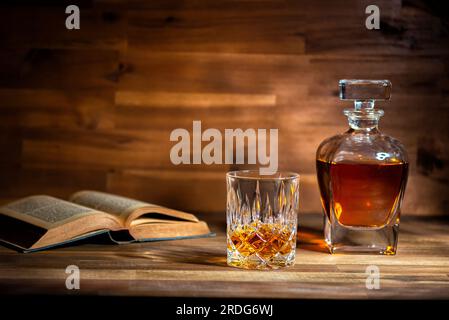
(362, 174)
(262, 219)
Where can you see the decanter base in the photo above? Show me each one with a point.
(342, 239)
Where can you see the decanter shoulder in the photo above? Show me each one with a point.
(328, 147)
(394, 150)
(361, 146)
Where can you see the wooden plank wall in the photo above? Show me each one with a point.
(94, 108)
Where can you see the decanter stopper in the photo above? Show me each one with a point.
(365, 92)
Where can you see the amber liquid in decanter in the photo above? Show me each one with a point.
(364, 194)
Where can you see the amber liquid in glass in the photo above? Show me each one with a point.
(263, 239)
(364, 194)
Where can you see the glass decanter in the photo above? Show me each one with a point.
(362, 175)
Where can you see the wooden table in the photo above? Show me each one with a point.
(197, 268)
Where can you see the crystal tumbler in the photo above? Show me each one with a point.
(262, 215)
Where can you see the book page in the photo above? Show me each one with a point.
(127, 209)
(45, 211)
(160, 231)
(113, 204)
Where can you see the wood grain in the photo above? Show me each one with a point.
(93, 108)
(197, 268)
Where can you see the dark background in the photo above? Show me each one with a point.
(93, 108)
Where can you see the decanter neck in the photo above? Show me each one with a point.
(363, 105)
(364, 117)
(367, 125)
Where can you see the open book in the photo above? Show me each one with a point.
(39, 222)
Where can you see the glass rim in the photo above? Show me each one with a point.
(255, 175)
